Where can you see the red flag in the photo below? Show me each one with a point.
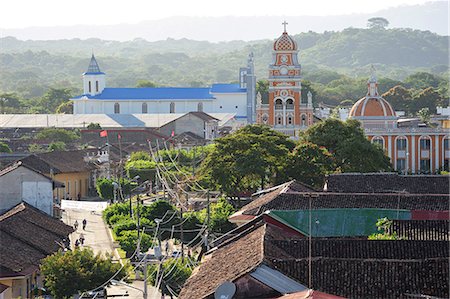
(103, 133)
(118, 136)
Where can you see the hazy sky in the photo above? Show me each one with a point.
(26, 13)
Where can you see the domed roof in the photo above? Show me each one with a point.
(285, 43)
(372, 106)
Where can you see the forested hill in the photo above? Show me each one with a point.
(31, 67)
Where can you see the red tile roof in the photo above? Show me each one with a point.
(27, 235)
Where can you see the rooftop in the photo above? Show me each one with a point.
(345, 267)
(27, 236)
(387, 183)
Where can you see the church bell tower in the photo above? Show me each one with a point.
(285, 112)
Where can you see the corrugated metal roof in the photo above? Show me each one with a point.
(276, 280)
(105, 120)
(337, 222)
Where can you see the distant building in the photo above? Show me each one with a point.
(285, 111)
(412, 147)
(20, 182)
(97, 98)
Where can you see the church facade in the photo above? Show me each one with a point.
(97, 98)
(285, 111)
(412, 147)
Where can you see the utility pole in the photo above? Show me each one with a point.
(138, 226)
(207, 219)
(145, 277)
(310, 247)
(182, 233)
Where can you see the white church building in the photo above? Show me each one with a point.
(97, 98)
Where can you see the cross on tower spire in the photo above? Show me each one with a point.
(284, 24)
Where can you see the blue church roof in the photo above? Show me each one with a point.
(165, 93)
(226, 88)
(157, 93)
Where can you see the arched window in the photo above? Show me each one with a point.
(446, 154)
(401, 163)
(116, 108)
(90, 88)
(303, 120)
(172, 107)
(425, 153)
(378, 140)
(144, 108)
(278, 104)
(96, 86)
(289, 104)
(200, 107)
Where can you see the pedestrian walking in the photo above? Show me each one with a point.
(75, 224)
(84, 224)
(81, 239)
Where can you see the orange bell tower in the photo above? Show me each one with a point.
(285, 112)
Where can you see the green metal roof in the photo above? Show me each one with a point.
(337, 222)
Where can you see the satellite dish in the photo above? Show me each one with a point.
(225, 291)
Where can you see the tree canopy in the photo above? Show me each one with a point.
(349, 146)
(247, 159)
(71, 272)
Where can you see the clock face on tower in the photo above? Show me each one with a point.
(283, 70)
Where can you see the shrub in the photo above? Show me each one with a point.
(128, 241)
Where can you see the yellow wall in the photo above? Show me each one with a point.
(446, 124)
(75, 182)
(17, 288)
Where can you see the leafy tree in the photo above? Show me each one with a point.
(175, 273)
(383, 225)
(246, 159)
(57, 146)
(140, 155)
(9, 102)
(145, 83)
(309, 163)
(399, 97)
(157, 209)
(65, 108)
(377, 22)
(120, 208)
(129, 238)
(4, 148)
(143, 168)
(349, 146)
(56, 134)
(427, 98)
(424, 115)
(422, 80)
(262, 86)
(71, 272)
(219, 214)
(94, 126)
(105, 187)
(55, 97)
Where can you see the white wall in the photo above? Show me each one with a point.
(224, 103)
(22, 184)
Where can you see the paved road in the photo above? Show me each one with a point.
(98, 238)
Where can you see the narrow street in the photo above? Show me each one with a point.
(98, 238)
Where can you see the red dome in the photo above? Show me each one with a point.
(285, 43)
(372, 106)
